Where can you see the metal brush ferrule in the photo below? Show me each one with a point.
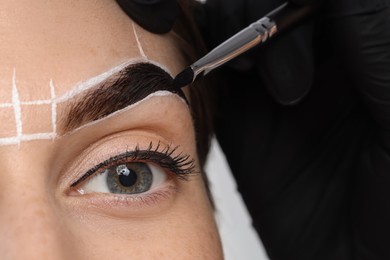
(256, 33)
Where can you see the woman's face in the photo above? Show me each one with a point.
(95, 161)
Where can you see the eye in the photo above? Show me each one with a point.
(125, 178)
(135, 172)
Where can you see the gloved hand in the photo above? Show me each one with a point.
(291, 55)
(286, 66)
(315, 174)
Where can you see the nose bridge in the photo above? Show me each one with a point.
(30, 226)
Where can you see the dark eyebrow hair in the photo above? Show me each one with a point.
(128, 86)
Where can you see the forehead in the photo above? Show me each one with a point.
(69, 41)
(49, 47)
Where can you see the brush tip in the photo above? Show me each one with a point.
(184, 78)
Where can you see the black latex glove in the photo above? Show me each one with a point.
(316, 175)
(157, 16)
(291, 56)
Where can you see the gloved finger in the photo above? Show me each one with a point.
(156, 16)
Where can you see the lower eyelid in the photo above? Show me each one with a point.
(123, 205)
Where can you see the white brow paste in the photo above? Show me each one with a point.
(160, 93)
(94, 81)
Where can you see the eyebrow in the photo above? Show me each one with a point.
(126, 87)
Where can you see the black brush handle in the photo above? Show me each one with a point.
(278, 20)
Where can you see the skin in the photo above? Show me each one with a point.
(42, 216)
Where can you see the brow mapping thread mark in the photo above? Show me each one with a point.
(6, 105)
(53, 109)
(85, 85)
(38, 136)
(141, 50)
(16, 104)
(48, 136)
(17, 109)
(37, 102)
(27, 103)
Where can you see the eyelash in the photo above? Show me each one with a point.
(181, 165)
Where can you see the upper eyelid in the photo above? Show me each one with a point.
(184, 164)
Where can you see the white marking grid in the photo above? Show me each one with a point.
(17, 105)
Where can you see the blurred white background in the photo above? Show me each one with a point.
(239, 239)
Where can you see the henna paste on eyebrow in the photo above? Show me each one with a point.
(125, 88)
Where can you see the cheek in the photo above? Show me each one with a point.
(186, 231)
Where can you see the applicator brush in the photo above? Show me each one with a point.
(281, 18)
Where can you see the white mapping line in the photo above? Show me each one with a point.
(141, 50)
(38, 136)
(160, 93)
(27, 103)
(90, 83)
(48, 136)
(25, 138)
(9, 141)
(94, 81)
(17, 109)
(53, 108)
(79, 88)
(36, 102)
(6, 105)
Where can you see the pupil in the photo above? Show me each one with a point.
(128, 180)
